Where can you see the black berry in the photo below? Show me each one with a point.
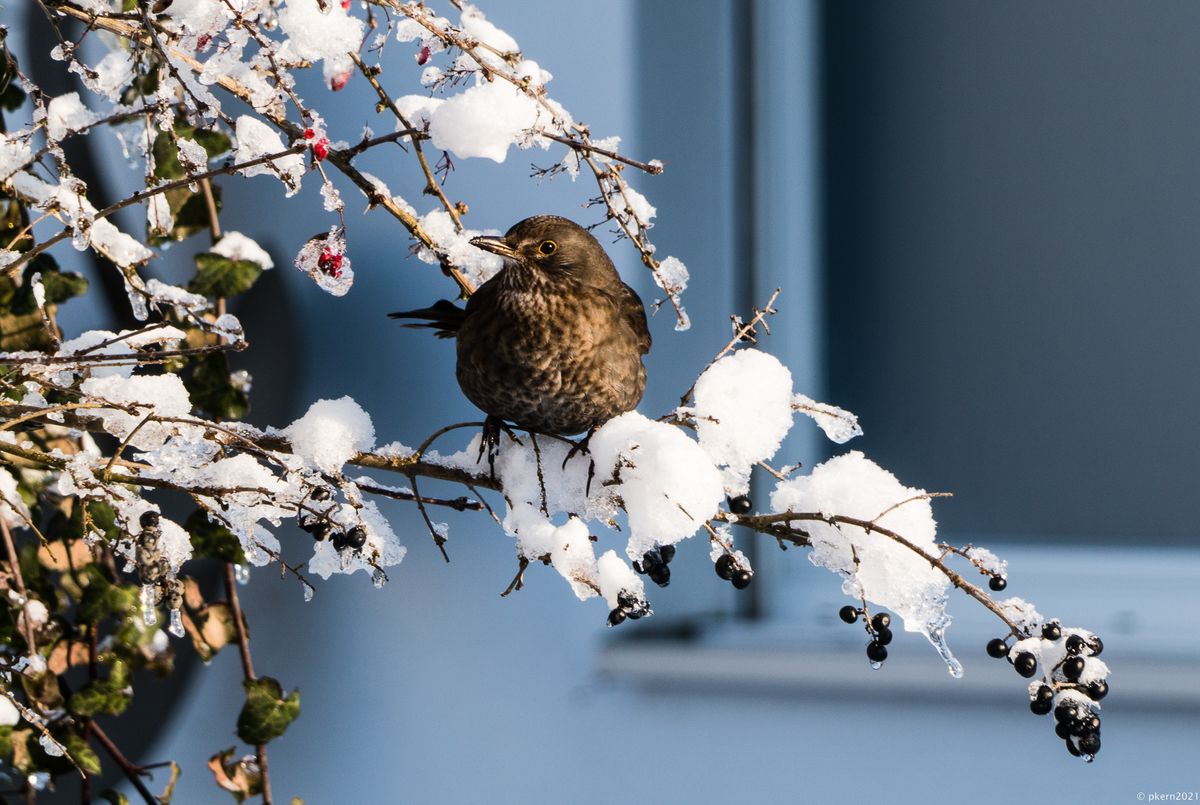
(1040, 708)
(1089, 744)
(1066, 712)
(848, 613)
(1051, 631)
(1097, 645)
(1061, 730)
(1073, 749)
(881, 620)
(1072, 668)
(1026, 664)
(1044, 694)
(1098, 689)
(321, 531)
(876, 652)
(997, 648)
(616, 617)
(339, 540)
(356, 537)
(741, 579)
(1075, 644)
(668, 553)
(726, 566)
(660, 575)
(320, 493)
(149, 519)
(883, 636)
(997, 583)
(740, 505)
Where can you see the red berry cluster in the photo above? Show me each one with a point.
(330, 263)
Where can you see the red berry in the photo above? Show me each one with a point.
(424, 55)
(339, 81)
(321, 148)
(346, 5)
(202, 42)
(309, 134)
(330, 263)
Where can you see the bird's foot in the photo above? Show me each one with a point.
(493, 426)
(582, 447)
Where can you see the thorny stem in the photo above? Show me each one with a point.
(131, 770)
(247, 668)
(432, 186)
(746, 330)
(341, 159)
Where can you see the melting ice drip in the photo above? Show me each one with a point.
(176, 627)
(935, 631)
(149, 603)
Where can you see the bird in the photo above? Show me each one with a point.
(553, 342)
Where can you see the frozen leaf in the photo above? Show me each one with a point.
(219, 276)
(267, 713)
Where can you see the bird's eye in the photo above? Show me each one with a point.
(547, 247)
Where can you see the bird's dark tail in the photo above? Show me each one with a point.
(444, 318)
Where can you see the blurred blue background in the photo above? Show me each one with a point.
(983, 219)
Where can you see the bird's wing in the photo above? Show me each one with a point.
(633, 313)
(445, 317)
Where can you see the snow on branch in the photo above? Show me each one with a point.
(124, 460)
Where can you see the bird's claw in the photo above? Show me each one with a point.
(493, 426)
(582, 447)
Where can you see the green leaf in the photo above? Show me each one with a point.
(212, 390)
(103, 599)
(60, 286)
(63, 285)
(109, 696)
(213, 539)
(267, 713)
(220, 276)
(80, 752)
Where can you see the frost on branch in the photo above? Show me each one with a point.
(874, 568)
(108, 434)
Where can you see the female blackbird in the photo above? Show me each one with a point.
(554, 341)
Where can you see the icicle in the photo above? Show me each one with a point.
(308, 593)
(935, 631)
(241, 574)
(875, 666)
(137, 303)
(378, 578)
(149, 602)
(176, 627)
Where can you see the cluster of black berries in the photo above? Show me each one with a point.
(1076, 722)
(629, 606)
(729, 569)
(654, 564)
(321, 529)
(879, 627)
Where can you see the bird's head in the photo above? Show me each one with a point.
(554, 247)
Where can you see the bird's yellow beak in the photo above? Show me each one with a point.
(495, 245)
